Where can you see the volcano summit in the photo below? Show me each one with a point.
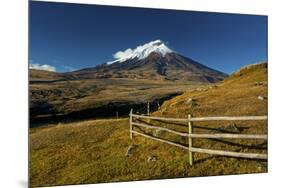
(153, 60)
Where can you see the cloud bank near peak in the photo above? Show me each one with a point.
(45, 67)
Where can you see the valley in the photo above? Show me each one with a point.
(61, 100)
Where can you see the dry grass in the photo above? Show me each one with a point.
(94, 151)
(45, 75)
(237, 95)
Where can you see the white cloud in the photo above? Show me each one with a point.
(122, 54)
(42, 67)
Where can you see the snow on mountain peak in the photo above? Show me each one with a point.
(141, 52)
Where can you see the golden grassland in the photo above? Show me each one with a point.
(94, 151)
(237, 95)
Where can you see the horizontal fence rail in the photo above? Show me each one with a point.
(193, 135)
(190, 135)
(224, 118)
(207, 151)
(227, 118)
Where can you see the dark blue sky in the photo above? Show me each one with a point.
(73, 36)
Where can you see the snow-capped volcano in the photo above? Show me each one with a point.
(153, 61)
(141, 52)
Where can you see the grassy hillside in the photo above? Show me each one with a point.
(94, 151)
(236, 95)
(35, 75)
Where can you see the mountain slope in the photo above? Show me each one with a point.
(237, 95)
(155, 61)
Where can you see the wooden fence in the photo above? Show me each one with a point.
(190, 135)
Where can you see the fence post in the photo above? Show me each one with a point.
(148, 111)
(190, 140)
(131, 126)
(148, 108)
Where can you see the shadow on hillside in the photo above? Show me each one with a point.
(221, 157)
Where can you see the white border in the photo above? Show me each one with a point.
(13, 77)
(233, 6)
